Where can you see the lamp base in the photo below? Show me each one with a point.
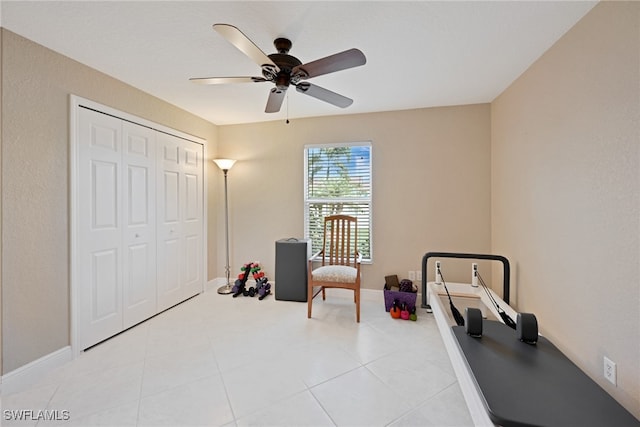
(225, 290)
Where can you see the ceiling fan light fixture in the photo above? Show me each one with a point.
(282, 81)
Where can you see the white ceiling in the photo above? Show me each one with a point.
(419, 54)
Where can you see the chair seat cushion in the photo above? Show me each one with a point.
(335, 273)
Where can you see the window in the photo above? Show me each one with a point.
(338, 181)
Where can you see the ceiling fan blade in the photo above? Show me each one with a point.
(276, 96)
(332, 63)
(324, 94)
(225, 80)
(244, 44)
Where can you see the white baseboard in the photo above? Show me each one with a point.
(365, 294)
(214, 284)
(21, 378)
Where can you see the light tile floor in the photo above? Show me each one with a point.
(221, 361)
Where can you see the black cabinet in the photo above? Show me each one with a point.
(291, 269)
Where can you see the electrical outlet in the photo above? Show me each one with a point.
(412, 275)
(418, 274)
(610, 370)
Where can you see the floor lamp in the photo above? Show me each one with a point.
(225, 165)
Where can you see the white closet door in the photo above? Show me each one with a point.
(140, 230)
(100, 230)
(169, 222)
(180, 194)
(192, 204)
(139, 224)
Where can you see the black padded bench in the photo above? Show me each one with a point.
(535, 385)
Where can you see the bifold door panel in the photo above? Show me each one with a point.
(140, 223)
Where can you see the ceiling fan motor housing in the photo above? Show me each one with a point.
(285, 62)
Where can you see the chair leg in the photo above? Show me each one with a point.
(357, 298)
(309, 300)
(324, 296)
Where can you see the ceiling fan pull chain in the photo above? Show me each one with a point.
(287, 122)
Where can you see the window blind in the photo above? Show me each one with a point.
(338, 181)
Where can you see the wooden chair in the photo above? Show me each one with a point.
(339, 258)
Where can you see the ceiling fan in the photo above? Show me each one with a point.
(284, 70)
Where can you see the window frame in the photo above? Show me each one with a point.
(307, 202)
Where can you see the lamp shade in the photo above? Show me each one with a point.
(224, 164)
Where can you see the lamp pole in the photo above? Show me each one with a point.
(225, 165)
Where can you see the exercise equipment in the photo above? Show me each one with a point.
(262, 288)
(395, 310)
(527, 328)
(241, 281)
(404, 312)
(503, 315)
(473, 322)
(454, 311)
(527, 385)
(508, 381)
(506, 272)
(526, 324)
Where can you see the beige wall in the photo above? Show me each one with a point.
(431, 185)
(548, 175)
(566, 193)
(36, 84)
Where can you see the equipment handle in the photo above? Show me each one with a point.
(506, 271)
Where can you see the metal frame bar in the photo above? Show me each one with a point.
(506, 271)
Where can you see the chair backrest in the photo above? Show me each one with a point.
(340, 241)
